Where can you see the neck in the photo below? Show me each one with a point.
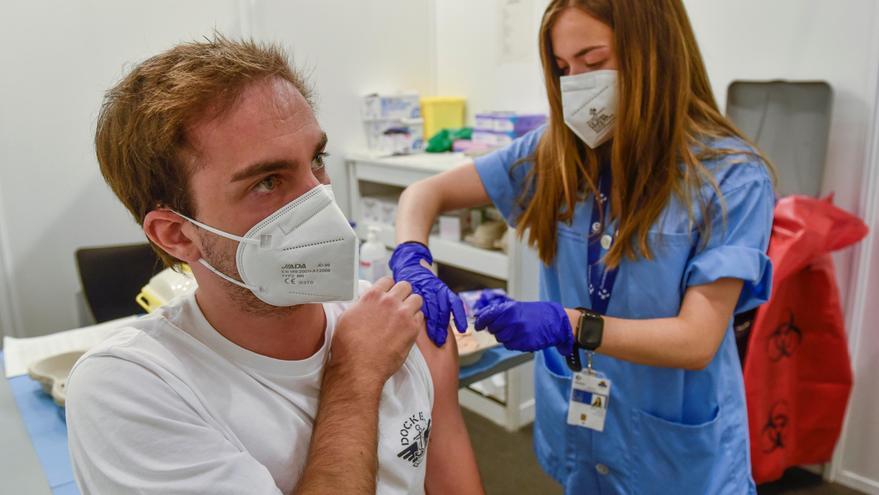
(292, 333)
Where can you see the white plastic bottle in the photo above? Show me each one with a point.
(373, 257)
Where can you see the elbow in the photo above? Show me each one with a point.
(417, 192)
(697, 363)
(700, 357)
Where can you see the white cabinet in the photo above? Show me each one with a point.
(513, 407)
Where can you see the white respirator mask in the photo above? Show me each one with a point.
(305, 252)
(589, 104)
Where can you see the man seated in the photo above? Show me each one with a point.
(261, 382)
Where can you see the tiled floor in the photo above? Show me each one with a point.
(507, 464)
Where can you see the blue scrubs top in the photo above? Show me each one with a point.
(667, 430)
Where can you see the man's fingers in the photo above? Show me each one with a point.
(414, 303)
(401, 290)
(383, 284)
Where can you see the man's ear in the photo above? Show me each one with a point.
(173, 233)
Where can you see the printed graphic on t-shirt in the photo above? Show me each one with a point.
(414, 435)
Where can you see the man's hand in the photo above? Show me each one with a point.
(372, 340)
(374, 336)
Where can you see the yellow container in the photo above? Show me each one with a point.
(441, 112)
(164, 286)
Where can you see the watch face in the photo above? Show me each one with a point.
(590, 330)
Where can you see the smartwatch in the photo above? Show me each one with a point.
(590, 329)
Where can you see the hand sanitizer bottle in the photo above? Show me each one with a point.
(373, 257)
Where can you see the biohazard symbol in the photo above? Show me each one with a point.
(785, 340)
(774, 430)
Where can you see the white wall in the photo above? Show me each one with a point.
(351, 48)
(469, 62)
(59, 58)
(66, 54)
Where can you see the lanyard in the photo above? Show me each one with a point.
(601, 280)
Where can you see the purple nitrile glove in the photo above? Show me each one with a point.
(489, 297)
(439, 300)
(528, 326)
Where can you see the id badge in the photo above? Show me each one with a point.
(590, 392)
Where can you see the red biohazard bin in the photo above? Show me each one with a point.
(797, 370)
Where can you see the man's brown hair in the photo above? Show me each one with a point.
(141, 140)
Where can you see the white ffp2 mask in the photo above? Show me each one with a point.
(305, 252)
(589, 104)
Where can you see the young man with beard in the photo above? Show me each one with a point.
(262, 381)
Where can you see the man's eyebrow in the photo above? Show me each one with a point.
(263, 168)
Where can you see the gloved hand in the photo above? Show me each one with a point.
(439, 300)
(528, 326)
(487, 298)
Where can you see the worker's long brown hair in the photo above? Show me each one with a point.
(666, 111)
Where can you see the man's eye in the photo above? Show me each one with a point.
(318, 162)
(268, 184)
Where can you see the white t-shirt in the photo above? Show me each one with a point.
(171, 406)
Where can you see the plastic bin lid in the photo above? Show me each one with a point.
(789, 121)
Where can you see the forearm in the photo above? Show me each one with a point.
(690, 340)
(342, 457)
(664, 342)
(416, 211)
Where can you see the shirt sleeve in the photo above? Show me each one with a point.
(737, 244)
(503, 173)
(130, 432)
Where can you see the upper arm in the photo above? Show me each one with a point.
(458, 188)
(451, 464)
(740, 228)
(731, 272)
(129, 431)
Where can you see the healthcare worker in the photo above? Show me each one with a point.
(652, 215)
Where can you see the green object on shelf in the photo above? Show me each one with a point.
(442, 141)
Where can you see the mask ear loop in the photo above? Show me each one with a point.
(219, 232)
(234, 238)
(227, 277)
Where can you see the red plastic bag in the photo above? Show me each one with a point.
(797, 370)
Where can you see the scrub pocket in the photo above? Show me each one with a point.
(551, 389)
(673, 457)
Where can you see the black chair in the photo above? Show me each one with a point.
(112, 276)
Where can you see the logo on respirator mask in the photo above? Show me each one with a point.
(274, 255)
(589, 104)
